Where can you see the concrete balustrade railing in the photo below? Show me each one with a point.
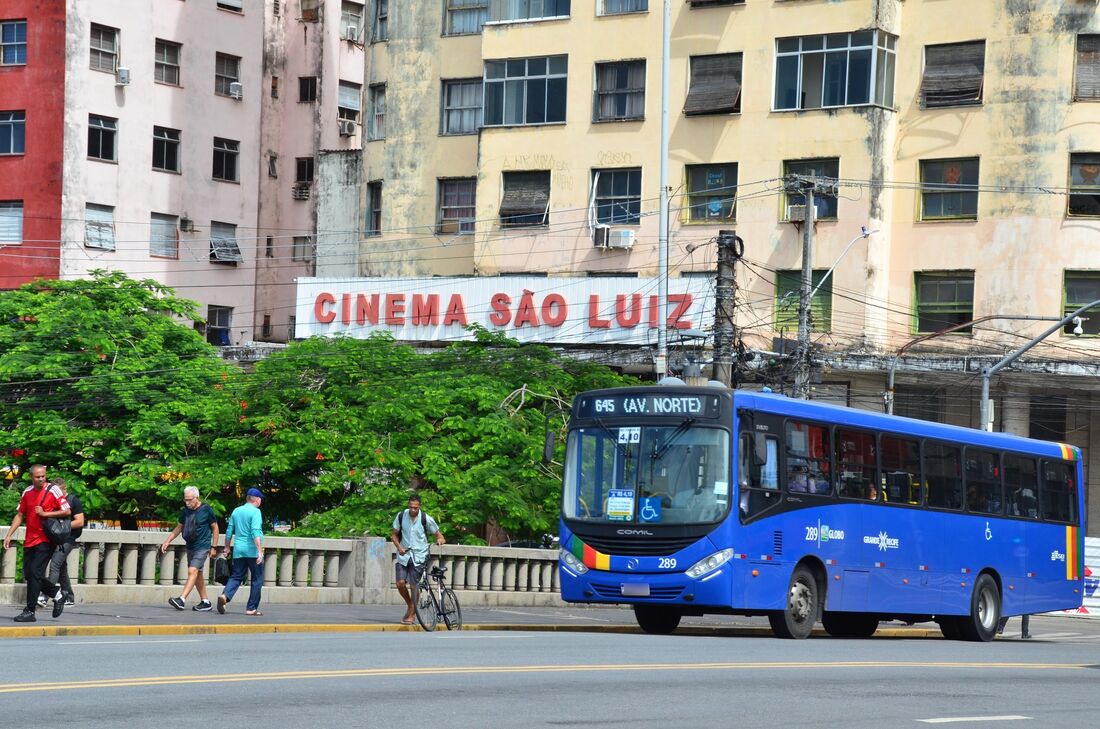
(113, 566)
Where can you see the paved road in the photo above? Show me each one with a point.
(518, 678)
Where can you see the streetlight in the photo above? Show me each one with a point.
(863, 233)
(988, 372)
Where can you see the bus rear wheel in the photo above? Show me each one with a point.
(850, 625)
(985, 611)
(797, 619)
(657, 619)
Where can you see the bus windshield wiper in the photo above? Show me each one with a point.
(672, 438)
(613, 437)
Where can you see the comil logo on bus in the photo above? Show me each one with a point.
(883, 541)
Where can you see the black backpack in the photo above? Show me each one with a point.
(400, 521)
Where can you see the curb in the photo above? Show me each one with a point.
(261, 628)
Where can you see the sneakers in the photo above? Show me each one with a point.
(58, 604)
(70, 600)
(25, 617)
(176, 602)
(1026, 636)
(43, 601)
(203, 607)
(221, 604)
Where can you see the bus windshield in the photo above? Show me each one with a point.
(667, 474)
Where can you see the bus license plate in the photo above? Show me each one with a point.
(636, 589)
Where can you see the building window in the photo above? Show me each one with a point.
(307, 89)
(99, 227)
(223, 244)
(11, 222)
(954, 74)
(715, 85)
(374, 208)
(1084, 182)
(381, 20)
(166, 149)
(163, 238)
(269, 246)
(465, 17)
(104, 48)
(788, 285)
(620, 91)
(526, 199)
(461, 106)
(351, 20)
(267, 330)
(303, 169)
(291, 323)
(919, 403)
(274, 87)
(714, 3)
(219, 324)
(101, 137)
(309, 10)
(1087, 79)
(166, 62)
(13, 43)
(376, 121)
(944, 299)
(236, 6)
(949, 189)
(824, 205)
(839, 69)
(13, 132)
(1081, 288)
(227, 71)
(1047, 417)
(615, 7)
(525, 91)
(347, 104)
(226, 152)
(527, 9)
(457, 205)
(303, 248)
(618, 198)
(711, 193)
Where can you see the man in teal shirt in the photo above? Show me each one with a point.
(244, 535)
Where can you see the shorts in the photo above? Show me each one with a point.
(197, 558)
(410, 572)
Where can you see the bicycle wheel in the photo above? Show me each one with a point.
(452, 613)
(426, 613)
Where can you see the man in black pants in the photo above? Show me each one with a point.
(58, 574)
(40, 501)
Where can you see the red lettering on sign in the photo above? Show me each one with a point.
(594, 319)
(683, 303)
(634, 317)
(654, 311)
(456, 311)
(320, 311)
(345, 308)
(554, 310)
(526, 313)
(425, 309)
(501, 315)
(395, 309)
(366, 309)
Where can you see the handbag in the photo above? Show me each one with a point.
(221, 570)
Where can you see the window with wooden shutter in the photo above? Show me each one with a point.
(526, 200)
(1087, 81)
(954, 74)
(715, 86)
(99, 227)
(223, 244)
(163, 239)
(787, 287)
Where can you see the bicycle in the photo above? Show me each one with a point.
(438, 603)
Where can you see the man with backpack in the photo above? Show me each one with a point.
(411, 528)
(40, 501)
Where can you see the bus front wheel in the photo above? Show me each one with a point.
(798, 618)
(985, 611)
(849, 625)
(657, 619)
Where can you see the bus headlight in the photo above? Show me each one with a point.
(572, 562)
(709, 564)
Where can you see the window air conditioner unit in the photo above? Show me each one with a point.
(300, 191)
(236, 90)
(796, 213)
(621, 239)
(347, 127)
(122, 76)
(187, 225)
(600, 235)
(351, 33)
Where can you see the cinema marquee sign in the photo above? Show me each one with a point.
(526, 308)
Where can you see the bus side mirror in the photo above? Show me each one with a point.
(759, 449)
(548, 447)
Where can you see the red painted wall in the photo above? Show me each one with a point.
(38, 89)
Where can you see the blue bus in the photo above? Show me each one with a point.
(701, 500)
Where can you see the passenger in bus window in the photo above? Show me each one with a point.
(798, 478)
(872, 492)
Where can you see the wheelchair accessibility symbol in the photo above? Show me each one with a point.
(988, 532)
(650, 510)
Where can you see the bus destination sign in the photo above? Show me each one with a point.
(648, 404)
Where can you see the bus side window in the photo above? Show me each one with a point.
(758, 480)
(944, 474)
(1021, 486)
(1058, 494)
(901, 474)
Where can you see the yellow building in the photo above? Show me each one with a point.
(523, 136)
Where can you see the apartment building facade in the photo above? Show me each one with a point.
(523, 137)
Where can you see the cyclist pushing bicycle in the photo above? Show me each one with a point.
(411, 529)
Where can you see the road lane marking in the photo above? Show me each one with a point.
(474, 670)
(961, 719)
(122, 642)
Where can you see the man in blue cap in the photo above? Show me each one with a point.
(244, 535)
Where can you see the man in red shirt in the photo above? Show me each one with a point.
(40, 501)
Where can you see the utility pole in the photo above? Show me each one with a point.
(730, 249)
(803, 355)
(661, 360)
